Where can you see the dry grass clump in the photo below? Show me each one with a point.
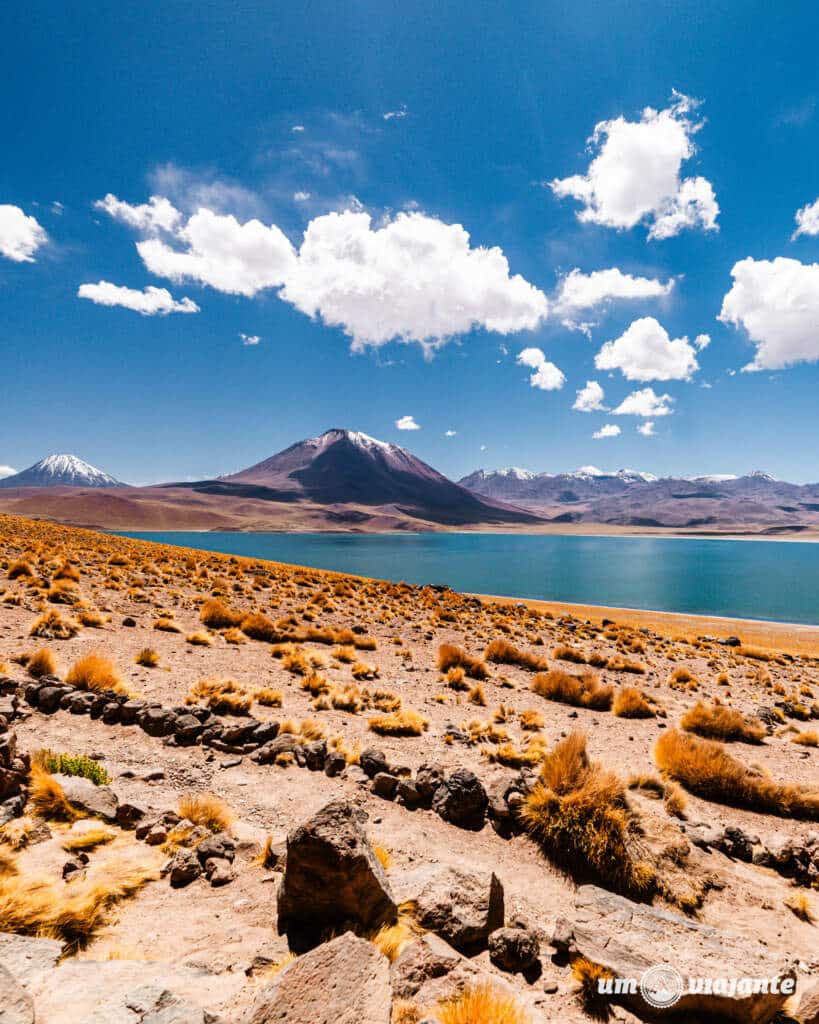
(481, 1004)
(222, 696)
(92, 618)
(807, 738)
(511, 756)
(619, 664)
(47, 798)
(707, 769)
(199, 639)
(64, 592)
(34, 904)
(531, 720)
(384, 856)
(450, 655)
(234, 636)
(363, 670)
(565, 653)
(206, 809)
(584, 691)
(268, 697)
(41, 663)
(400, 723)
(800, 904)
(588, 975)
(147, 657)
(166, 625)
(19, 568)
(215, 614)
(88, 839)
(259, 627)
(503, 653)
(392, 939)
(94, 672)
(718, 722)
(577, 812)
(52, 626)
(629, 702)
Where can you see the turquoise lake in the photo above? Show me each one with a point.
(743, 579)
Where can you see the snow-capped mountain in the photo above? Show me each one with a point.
(348, 467)
(61, 471)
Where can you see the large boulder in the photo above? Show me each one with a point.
(98, 801)
(630, 938)
(463, 907)
(461, 800)
(27, 958)
(514, 949)
(332, 877)
(422, 961)
(346, 981)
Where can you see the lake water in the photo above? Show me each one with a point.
(743, 579)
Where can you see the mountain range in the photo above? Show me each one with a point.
(347, 480)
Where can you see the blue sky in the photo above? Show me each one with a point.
(235, 113)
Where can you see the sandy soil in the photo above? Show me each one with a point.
(226, 928)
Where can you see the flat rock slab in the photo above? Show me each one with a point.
(629, 938)
(99, 801)
(130, 992)
(25, 958)
(16, 1005)
(346, 981)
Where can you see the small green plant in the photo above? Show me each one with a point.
(74, 764)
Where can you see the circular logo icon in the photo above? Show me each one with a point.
(661, 986)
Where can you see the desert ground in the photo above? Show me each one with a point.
(242, 791)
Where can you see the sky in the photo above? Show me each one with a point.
(536, 234)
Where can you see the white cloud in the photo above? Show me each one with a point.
(158, 214)
(7, 471)
(646, 429)
(609, 430)
(645, 403)
(634, 175)
(20, 236)
(450, 433)
(149, 302)
(415, 278)
(777, 302)
(547, 376)
(249, 339)
(579, 291)
(301, 197)
(807, 220)
(589, 398)
(297, 128)
(407, 423)
(240, 259)
(645, 352)
(392, 115)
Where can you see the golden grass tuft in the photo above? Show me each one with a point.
(20, 568)
(215, 614)
(629, 702)
(807, 738)
(268, 697)
(206, 809)
(401, 723)
(384, 856)
(95, 672)
(47, 798)
(705, 768)
(450, 655)
(531, 720)
(565, 653)
(481, 1004)
(52, 626)
(166, 625)
(718, 722)
(577, 812)
(503, 653)
(88, 839)
(259, 627)
(800, 905)
(222, 696)
(584, 691)
(34, 904)
(42, 663)
(199, 639)
(147, 657)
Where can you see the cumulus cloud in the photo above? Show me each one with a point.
(249, 339)
(645, 403)
(634, 176)
(240, 259)
(589, 398)
(407, 423)
(646, 429)
(777, 303)
(149, 302)
(20, 235)
(301, 197)
(158, 214)
(609, 430)
(645, 352)
(546, 375)
(392, 115)
(579, 291)
(7, 471)
(807, 220)
(413, 279)
(450, 433)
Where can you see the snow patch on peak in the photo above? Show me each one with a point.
(515, 473)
